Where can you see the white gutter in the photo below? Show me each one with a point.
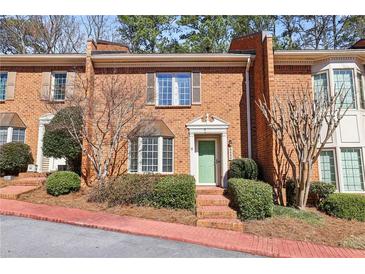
(248, 104)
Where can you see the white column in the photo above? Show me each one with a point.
(160, 152)
(340, 182)
(139, 168)
(192, 156)
(9, 137)
(224, 159)
(40, 145)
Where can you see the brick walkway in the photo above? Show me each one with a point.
(230, 240)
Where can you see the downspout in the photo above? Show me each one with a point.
(248, 104)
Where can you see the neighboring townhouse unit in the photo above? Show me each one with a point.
(203, 105)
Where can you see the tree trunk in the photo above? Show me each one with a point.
(304, 183)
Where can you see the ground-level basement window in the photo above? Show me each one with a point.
(151, 154)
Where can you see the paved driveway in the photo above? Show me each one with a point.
(22, 237)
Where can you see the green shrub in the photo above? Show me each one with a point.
(290, 192)
(14, 158)
(244, 168)
(62, 182)
(251, 199)
(126, 189)
(320, 191)
(345, 206)
(175, 191)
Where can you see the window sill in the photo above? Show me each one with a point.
(151, 173)
(56, 101)
(177, 107)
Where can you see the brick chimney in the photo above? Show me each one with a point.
(102, 46)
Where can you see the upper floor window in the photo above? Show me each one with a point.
(360, 86)
(321, 86)
(344, 83)
(174, 89)
(3, 80)
(59, 86)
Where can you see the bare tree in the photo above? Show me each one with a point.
(106, 120)
(98, 26)
(303, 124)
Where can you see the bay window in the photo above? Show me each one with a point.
(3, 135)
(321, 86)
(344, 83)
(151, 154)
(352, 169)
(18, 135)
(327, 166)
(174, 89)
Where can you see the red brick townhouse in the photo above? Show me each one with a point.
(203, 104)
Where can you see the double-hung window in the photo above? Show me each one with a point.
(321, 86)
(361, 89)
(3, 135)
(327, 166)
(151, 154)
(352, 169)
(18, 135)
(174, 89)
(3, 80)
(59, 86)
(344, 83)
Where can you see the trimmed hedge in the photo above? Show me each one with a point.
(14, 158)
(320, 191)
(62, 182)
(244, 168)
(251, 199)
(345, 206)
(126, 189)
(175, 191)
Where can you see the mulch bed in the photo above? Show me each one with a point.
(330, 231)
(79, 200)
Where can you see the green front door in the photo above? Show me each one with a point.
(206, 162)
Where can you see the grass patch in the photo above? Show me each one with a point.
(307, 216)
(355, 242)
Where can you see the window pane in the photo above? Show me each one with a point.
(3, 79)
(3, 135)
(352, 169)
(327, 165)
(164, 89)
(167, 155)
(133, 154)
(361, 91)
(343, 81)
(59, 86)
(184, 85)
(18, 135)
(321, 86)
(150, 154)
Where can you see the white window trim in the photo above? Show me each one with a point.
(175, 90)
(52, 85)
(327, 72)
(363, 169)
(7, 74)
(336, 169)
(358, 90)
(9, 136)
(160, 157)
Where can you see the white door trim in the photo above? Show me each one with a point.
(216, 156)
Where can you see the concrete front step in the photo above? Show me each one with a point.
(215, 212)
(212, 200)
(13, 192)
(227, 224)
(30, 181)
(209, 190)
